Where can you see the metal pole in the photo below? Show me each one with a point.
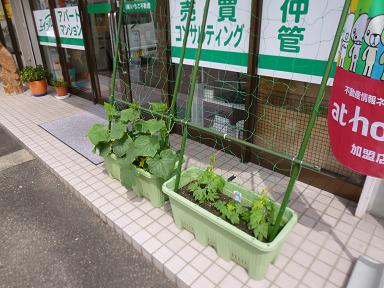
(116, 52)
(180, 68)
(191, 93)
(297, 166)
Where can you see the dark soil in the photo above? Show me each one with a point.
(184, 191)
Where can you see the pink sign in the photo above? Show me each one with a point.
(356, 122)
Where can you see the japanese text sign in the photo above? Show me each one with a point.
(356, 112)
(226, 35)
(140, 6)
(69, 25)
(296, 38)
(44, 27)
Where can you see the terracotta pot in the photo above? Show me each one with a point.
(61, 91)
(38, 88)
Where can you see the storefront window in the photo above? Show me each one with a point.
(72, 41)
(46, 36)
(219, 100)
(78, 69)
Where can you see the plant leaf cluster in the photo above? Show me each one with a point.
(258, 216)
(208, 186)
(30, 74)
(135, 142)
(231, 211)
(59, 83)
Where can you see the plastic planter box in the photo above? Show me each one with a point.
(147, 185)
(112, 166)
(230, 242)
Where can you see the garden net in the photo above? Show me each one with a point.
(254, 113)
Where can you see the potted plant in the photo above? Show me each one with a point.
(36, 79)
(233, 219)
(136, 151)
(61, 88)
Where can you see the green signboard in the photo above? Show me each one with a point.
(140, 6)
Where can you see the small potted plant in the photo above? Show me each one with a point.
(61, 88)
(36, 79)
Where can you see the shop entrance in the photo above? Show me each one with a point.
(102, 17)
(139, 60)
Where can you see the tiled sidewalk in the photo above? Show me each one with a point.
(319, 253)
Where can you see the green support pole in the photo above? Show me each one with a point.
(300, 156)
(191, 93)
(116, 52)
(180, 68)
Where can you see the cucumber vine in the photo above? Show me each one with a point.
(135, 142)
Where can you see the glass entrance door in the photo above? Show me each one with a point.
(144, 66)
(103, 18)
(72, 42)
(140, 68)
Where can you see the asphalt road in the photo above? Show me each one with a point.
(49, 238)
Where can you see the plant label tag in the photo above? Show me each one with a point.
(236, 195)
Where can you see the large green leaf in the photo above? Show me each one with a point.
(131, 154)
(104, 149)
(129, 115)
(151, 126)
(146, 145)
(121, 147)
(163, 165)
(128, 175)
(159, 107)
(118, 130)
(97, 134)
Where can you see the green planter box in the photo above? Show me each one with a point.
(112, 167)
(147, 185)
(230, 242)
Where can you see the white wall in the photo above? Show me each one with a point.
(376, 205)
(372, 198)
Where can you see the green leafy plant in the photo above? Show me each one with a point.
(59, 83)
(260, 217)
(208, 186)
(231, 210)
(30, 74)
(135, 142)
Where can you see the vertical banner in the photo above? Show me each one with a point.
(296, 38)
(69, 25)
(356, 112)
(226, 36)
(44, 27)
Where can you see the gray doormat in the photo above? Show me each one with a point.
(73, 130)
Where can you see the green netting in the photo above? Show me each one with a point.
(277, 110)
(263, 118)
